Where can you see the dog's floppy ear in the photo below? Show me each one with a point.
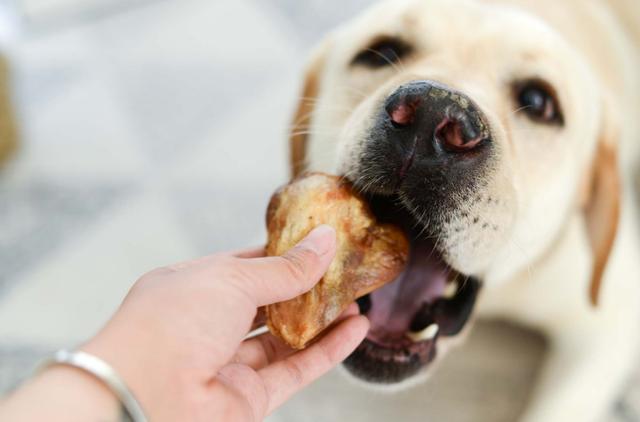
(602, 205)
(304, 111)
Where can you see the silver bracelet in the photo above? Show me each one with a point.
(105, 373)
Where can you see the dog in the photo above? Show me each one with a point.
(502, 135)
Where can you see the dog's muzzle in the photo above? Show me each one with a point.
(428, 146)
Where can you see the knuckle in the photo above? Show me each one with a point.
(236, 408)
(270, 349)
(328, 356)
(221, 267)
(155, 273)
(149, 278)
(241, 281)
(222, 260)
(299, 261)
(294, 372)
(232, 272)
(256, 396)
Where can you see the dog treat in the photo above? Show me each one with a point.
(368, 254)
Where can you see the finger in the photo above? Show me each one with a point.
(351, 310)
(274, 279)
(255, 252)
(288, 376)
(260, 351)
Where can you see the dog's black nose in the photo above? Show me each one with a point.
(427, 139)
(427, 130)
(436, 114)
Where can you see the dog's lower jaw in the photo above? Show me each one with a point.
(445, 345)
(392, 388)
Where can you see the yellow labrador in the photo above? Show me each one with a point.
(501, 134)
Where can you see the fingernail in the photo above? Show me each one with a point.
(320, 240)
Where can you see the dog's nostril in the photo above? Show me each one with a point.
(454, 136)
(402, 114)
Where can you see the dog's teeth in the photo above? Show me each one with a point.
(450, 289)
(426, 334)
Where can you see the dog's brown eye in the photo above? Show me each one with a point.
(384, 52)
(537, 100)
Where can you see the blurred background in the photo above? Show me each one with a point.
(154, 131)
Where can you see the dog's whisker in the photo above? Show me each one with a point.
(304, 119)
(354, 90)
(399, 61)
(311, 132)
(385, 58)
(519, 109)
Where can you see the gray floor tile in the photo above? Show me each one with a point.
(39, 217)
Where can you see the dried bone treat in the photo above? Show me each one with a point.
(368, 254)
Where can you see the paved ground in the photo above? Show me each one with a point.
(153, 132)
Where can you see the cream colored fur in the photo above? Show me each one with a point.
(537, 267)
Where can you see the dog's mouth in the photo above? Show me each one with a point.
(428, 301)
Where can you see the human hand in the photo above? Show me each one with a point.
(177, 339)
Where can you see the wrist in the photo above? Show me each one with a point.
(63, 393)
(137, 370)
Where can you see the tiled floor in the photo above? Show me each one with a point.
(153, 131)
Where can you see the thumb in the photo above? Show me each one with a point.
(274, 279)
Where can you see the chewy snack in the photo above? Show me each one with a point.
(368, 254)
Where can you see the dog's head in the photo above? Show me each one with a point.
(475, 128)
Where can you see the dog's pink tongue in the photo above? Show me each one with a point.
(394, 306)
